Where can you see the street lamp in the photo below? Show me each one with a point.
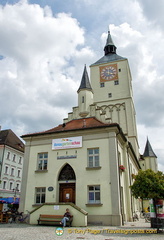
(15, 190)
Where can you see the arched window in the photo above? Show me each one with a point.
(67, 173)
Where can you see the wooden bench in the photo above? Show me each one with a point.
(53, 219)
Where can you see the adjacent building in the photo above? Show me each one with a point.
(89, 160)
(11, 164)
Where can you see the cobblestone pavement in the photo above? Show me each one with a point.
(134, 230)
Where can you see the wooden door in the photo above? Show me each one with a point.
(67, 192)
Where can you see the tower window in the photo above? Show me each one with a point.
(102, 84)
(119, 69)
(116, 82)
(109, 95)
(82, 99)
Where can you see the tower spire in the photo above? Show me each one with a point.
(85, 84)
(148, 150)
(109, 47)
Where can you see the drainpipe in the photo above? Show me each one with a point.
(119, 182)
(130, 183)
(2, 161)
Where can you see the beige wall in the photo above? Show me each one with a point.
(149, 163)
(108, 176)
(79, 217)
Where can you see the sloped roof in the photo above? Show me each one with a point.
(148, 150)
(110, 52)
(73, 125)
(111, 57)
(8, 137)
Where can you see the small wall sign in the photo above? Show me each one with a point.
(50, 189)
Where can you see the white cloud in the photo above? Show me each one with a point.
(37, 48)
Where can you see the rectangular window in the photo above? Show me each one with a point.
(4, 184)
(109, 95)
(6, 169)
(42, 161)
(17, 187)
(8, 155)
(40, 194)
(94, 194)
(116, 82)
(14, 158)
(12, 171)
(102, 84)
(82, 99)
(11, 186)
(93, 157)
(19, 173)
(20, 160)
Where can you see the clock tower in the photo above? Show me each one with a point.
(112, 86)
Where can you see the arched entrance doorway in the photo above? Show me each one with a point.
(67, 184)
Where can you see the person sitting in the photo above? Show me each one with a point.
(66, 218)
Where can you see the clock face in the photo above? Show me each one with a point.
(108, 72)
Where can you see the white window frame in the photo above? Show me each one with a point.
(11, 186)
(93, 157)
(4, 185)
(116, 82)
(8, 155)
(6, 170)
(40, 195)
(14, 157)
(12, 171)
(20, 160)
(19, 173)
(18, 187)
(94, 194)
(42, 161)
(102, 84)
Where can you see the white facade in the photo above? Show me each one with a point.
(11, 160)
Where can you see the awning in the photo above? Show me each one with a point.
(10, 200)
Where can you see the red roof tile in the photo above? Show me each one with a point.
(9, 138)
(77, 124)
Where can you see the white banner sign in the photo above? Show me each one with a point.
(63, 143)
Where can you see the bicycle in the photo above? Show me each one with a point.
(147, 217)
(135, 216)
(23, 218)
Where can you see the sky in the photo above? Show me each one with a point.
(44, 45)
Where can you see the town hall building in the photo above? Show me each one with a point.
(87, 162)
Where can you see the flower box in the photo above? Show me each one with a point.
(122, 168)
